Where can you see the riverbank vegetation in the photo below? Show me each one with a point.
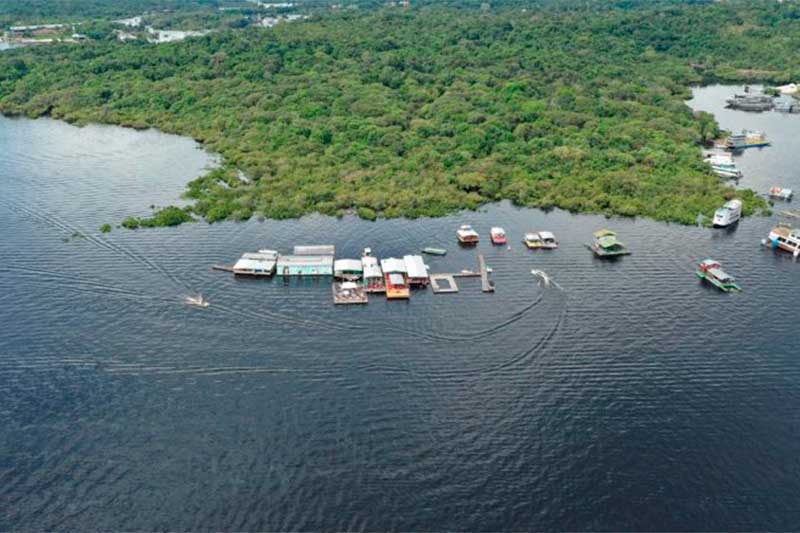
(423, 111)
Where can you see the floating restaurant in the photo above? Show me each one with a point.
(256, 264)
(347, 269)
(305, 265)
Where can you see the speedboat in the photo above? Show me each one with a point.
(498, 235)
(197, 301)
(711, 271)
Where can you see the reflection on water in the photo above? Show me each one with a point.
(626, 395)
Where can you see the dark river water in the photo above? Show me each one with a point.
(627, 397)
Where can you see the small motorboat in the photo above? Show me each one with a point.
(711, 271)
(197, 301)
(430, 250)
(498, 235)
(781, 193)
(541, 240)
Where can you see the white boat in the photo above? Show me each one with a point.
(728, 213)
(498, 235)
(723, 166)
(467, 235)
(197, 301)
(785, 238)
(549, 241)
(781, 193)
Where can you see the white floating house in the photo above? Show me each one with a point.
(373, 275)
(348, 269)
(305, 265)
(256, 264)
(416, 269)
(393, 265)
(317, 249)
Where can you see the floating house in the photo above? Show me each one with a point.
(349, 292)
(373, 275)
(256, 264)
(394, 275)
(347, 269)
(416, 270)
(305, 265)
(317, 249)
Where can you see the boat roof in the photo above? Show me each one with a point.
(709, 262)
(372, 270)
(368, 261)
(532, 235)
(609, 241)
(546, 235)
(396, 279)
(497, 229)
(733, 204)
(415, 266)
(313, 260)
(719, 274)
(315, 249)
(353, 265)
(264, 260)
(392, 264)
(604, 233)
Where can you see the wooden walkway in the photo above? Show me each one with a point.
(487, 285)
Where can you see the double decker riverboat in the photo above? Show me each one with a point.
(711, 271)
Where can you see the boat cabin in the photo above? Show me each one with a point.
(606, 244)
(548, 239)
(467, 235)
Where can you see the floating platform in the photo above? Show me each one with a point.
(348, 293)
(443, 283)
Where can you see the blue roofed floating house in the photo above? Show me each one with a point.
(305, 265)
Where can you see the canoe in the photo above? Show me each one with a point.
(434, 251)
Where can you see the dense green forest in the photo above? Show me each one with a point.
(422, 111)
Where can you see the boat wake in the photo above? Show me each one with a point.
(545, 279)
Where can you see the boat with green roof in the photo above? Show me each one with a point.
(607, 245)
(711, 271)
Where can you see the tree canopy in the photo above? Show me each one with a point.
(422, 111)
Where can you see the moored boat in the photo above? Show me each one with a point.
(498, 235)
(723, 166)
(711, 271)
(544, 240)
(607, 245)
(751, 102)
(467, 235)
(746, 139)
(430, 250)
(785, 238)
(728, 214)
(781, 193)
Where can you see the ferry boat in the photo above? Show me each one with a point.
(543, 240)
(785, 238)
(781, 193)
(723, 166)
(728, 214)
(712, 272)
(498, 235)
(372, 273)
(746, 139)
(606, 245)
(750, 102)
(467, 235)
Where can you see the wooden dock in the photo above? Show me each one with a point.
(487, 285)
(437, 284)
